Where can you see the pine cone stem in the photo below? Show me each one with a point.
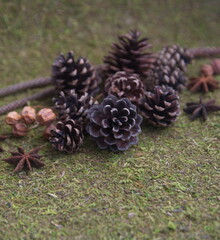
(204, 52)
(38, 82)
(20, 103)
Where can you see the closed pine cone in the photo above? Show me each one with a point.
(170, 68)
(129, 55)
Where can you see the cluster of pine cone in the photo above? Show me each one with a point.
(133, 83)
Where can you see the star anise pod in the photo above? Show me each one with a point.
(203, 84)
(201, 109)
(25, 160)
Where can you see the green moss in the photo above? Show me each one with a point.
(166, 187)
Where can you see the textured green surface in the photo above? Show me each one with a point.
(167, 187)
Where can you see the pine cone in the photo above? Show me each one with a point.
(160, 107)
(129, 55)
(67, 136)
(114, 124)
(123, 84)
(72, 106)
(170, 68)
(79, 75)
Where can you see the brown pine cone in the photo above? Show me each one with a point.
(129, 55)
(160, 107)
(67, 136)
(68, 74)
(123, 84)
(170, 68)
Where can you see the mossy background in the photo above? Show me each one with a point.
(166, 187)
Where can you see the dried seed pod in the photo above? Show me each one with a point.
(12, 118)
(28, 114)
(47, 131)
(216, 66)
(45, 116)
(206, 70)
(20, 129)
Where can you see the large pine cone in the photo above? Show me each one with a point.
(79, 75)
(67, 136)
(160, 107)
(170, 68)
(123, 84)
(114, 124)
(70, 105)
(129, 55)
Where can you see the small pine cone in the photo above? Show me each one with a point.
(67, 136)
(123, 84)
(20, 129)
(129, 55)
(45, 116)
(70, 105)
(216, 66)
(12, 118)
(79, 75)
(114, 124)
(160, 107)
(170, 68)
(28, 114)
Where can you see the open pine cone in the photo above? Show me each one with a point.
(67, 136)
(72, 106)
(114, 124)
(170, 68)
(79, 75)
(160, 107)
(129, 55)
(123, 84)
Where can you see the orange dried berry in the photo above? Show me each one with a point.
(20, 129)
(45, 116)
(47, 131)
(206, 70)
(12, 118)
(29, 115)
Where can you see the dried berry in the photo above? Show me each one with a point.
(206, 70)
(216, 66)
(45, 116)
(12, 118)
(47, 131)
(28, 114)
(20, 129)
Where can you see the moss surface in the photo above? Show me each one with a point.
(166, 187)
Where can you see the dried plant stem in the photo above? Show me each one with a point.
(205, 52)
(39, 82)
(20, 103)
